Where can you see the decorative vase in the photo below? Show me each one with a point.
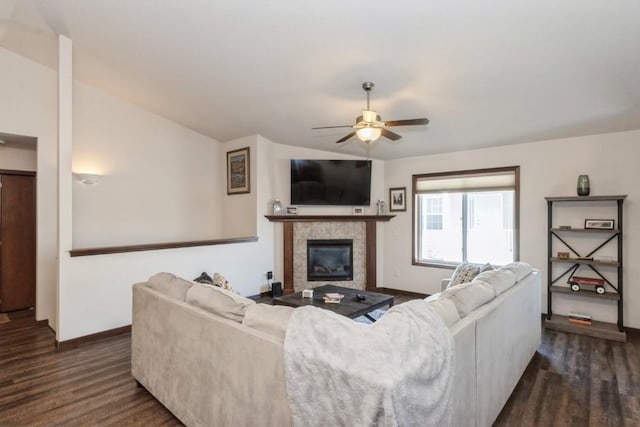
(277, 207)
(381, 207)
(583, 185)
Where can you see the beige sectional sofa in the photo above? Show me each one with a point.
(215, 358)
(495, 338)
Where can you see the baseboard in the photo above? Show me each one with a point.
(392, 291)
(77, 342)
(44, 324)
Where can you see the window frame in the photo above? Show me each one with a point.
(414, 212)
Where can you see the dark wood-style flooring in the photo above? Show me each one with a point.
(571, 381)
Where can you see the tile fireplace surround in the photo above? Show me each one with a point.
(303, 231)
(299, 228)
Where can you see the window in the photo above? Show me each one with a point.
(466, 216)
(434, 213)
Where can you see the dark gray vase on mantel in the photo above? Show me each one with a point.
(583, 185)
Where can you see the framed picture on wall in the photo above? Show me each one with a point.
(238, 180)
(398, 199)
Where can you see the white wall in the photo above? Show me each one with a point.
(160, 183)
(238, 210)
(98, 288)
(548, 168)
(29, 108)
(14, 156)
(280, 165)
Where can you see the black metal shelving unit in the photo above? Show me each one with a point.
(612, 331)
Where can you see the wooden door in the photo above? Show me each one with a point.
(18, 242)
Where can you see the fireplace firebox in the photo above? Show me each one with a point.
(330, 260)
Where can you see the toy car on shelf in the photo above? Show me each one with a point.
(576, 283)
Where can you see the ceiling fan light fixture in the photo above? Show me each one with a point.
(368, 134)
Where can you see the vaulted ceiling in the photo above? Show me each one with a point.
(485, 73)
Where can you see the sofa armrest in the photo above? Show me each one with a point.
(444, 284)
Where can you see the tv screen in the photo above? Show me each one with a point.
(331, 182)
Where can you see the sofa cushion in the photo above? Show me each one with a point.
(218, 301)
(271, 319)
(500, 280)
(520, 269)
(445, 308)
(469, 296)
(170, 285)
(464, 273)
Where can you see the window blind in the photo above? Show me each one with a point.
(466, 182)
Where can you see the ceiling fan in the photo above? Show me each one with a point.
(369, 125)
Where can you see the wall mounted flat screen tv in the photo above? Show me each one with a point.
(330, 182)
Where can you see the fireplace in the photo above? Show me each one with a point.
(330, 260)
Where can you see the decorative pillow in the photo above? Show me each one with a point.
(464, 273)
(520, 269)
(469, 296)
(204, 278)
(445, 308)
(500, 280)
(221, 282)
(486, 267)
(170, 285)
(218, 301)
(271, 319)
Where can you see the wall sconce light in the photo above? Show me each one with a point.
(87, 178)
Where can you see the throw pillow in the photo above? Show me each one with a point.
(221, 282)
(218, 301)
(464, 273)
(204, 278)
(486, 267)
(271, 319)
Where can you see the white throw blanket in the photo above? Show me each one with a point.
(396, 372)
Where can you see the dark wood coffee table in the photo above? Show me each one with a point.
(350, 305)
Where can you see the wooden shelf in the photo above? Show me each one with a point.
(585, 230)
(336, 218)
(585, 261)
(614, 296)
(598, 329)
(585, 198)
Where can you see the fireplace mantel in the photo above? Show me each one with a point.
(369, 220)
(312, 218)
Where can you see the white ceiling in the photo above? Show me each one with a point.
(485, 73)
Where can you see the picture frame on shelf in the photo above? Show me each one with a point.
(398, 199)
(238, 178)
(599, 224)
(358, 211)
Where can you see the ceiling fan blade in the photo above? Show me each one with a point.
(409, 122)
(333, 127)
(391, 135)
(343, 139)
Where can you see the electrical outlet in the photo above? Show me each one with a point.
(269, 275)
